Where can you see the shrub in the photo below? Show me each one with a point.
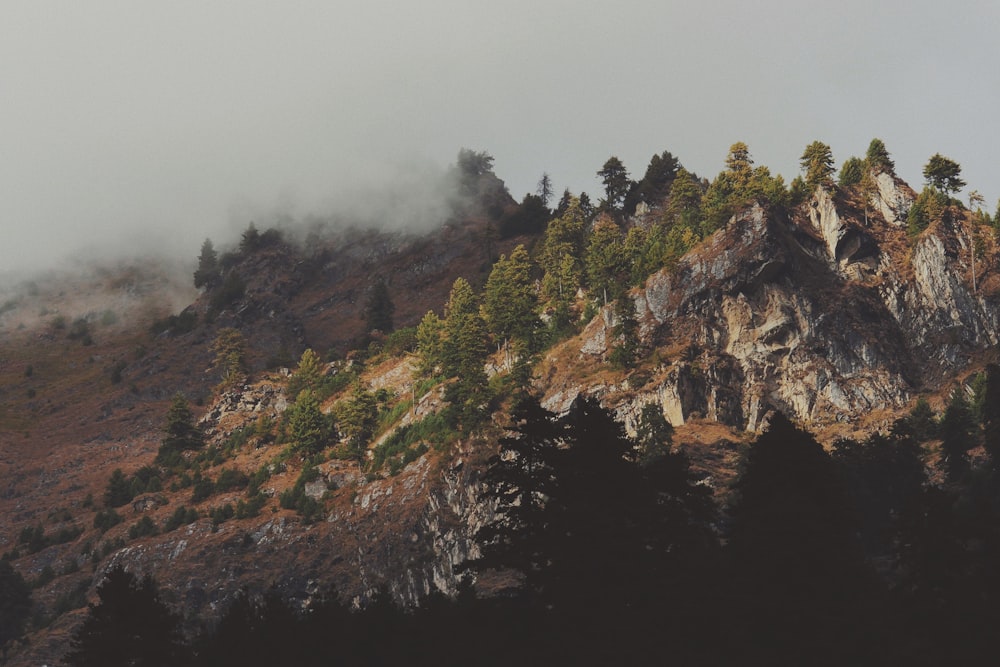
(176, 325)
(400, 341)
(222, 514)
(46, 576)
(144, 527)
(182, 516)
(252, 507)
(204, 487)
(106, 519)
(230, 478)
(295, 498)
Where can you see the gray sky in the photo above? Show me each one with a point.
(137, 124)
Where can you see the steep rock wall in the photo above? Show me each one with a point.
(818, 315)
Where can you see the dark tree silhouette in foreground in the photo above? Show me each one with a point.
(129, 626)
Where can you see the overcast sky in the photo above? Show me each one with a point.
(134, 124)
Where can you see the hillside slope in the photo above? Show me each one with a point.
(834, 316)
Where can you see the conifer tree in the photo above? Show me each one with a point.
(308, 427)
(817, 163)
(229, 347)
(180, 431)
(357, 418)
(561, 257)
(990, 414)
(519, 480)
(616, 183)
(626, 333)
(851, 172)
(430, 345)
(308, 374)
(250, 240)
(605, 260)
(465, 344)
(379, 308)
(129, 626)
(684, 204)
(792, 537)
(942, 174)
(655, 184)
(544, 190)
(509, 299)
(15, 606)
(877, 158)
(207, 273)
(956, 435)
(119, 489)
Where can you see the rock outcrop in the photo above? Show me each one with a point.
(820, 315)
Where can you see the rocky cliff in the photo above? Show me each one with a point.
(830, 314)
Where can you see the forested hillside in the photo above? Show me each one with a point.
(693, 420)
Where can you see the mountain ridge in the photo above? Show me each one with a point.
(809, 311)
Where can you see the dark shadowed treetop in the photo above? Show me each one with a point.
(616, 183)
(379, 308)
(544, 189)
(655, 184)
(129, 626)
(474, 163)
(180, 430)
(15, 605)
(207, 273)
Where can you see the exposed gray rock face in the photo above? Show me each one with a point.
(812, 317)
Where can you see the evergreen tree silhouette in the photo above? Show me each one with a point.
(956, 430)
(798, 577)
(15, 606)
(129, 626)
(519, 481)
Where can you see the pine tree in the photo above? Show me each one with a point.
(942, 174)
(229, 347)
(544, 190)
(792, 534)
(119, 490)
(207, 273)
(684, 204)
(851, 172)
(250, 240)
(357, 418)
(379, 308)
(626, 333)
(308, 374)
(129, 627)
(465, 345)
(509, 299)
(180, 431)
(817, 163)
(561, 257)
(877, 158)
(957, 428)
(605, 260)
(616, 183)
(990, 413)
(430, 345)
(15, 606)
(308, 427)
(653, 434)
(518, 482)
